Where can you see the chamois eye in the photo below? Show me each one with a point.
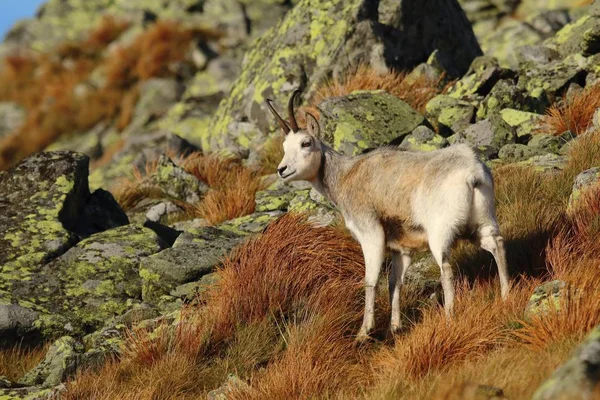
(305, 144)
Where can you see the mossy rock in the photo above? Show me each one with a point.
(423, 139)
(585, 180)
(578, 376)
(546, 163)
(192, 256)
(366, 119)
(303, 51)
(61, 362)
(449, 114)
(547, 143)
(483, 74)
(515, 152)
(545, 298)
(489, 135)
(250, 224)
(506, 94)
(524, 123)
(92, 282)
(273, 200)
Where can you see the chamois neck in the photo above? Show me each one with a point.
(333, 167)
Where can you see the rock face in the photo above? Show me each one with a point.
(365, 120)
(579, 376)
(317, 39)
(45, 209)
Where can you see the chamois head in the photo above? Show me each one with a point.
(302, 147)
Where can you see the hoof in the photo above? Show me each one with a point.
(362, 337)
(395, 329)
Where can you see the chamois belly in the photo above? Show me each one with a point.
(401, 235)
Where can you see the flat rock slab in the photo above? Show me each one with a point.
(192, 256)
(365, 120)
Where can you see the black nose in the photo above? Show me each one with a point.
(281, 170)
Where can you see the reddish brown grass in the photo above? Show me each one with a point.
(233, 187)
(17, 360)
(45, 84)
(416, 92)
(573, 113)
(290, 265)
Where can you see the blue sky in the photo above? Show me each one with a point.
(13, 10)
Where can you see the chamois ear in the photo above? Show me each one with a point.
(285, 128)
(312, 125)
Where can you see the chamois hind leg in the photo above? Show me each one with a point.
(439, 244)
(372, 241)
(489, 233)
(400, 263)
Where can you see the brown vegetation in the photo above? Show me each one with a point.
(572, 113)
(232, 187)
(16, 361)
(55, 91)
(415, 91)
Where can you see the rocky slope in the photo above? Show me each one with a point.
(77, 269)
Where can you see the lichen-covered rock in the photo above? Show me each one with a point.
(584, 180)
(505, 94)
(546, 143)
(189, 291)
(273, 200)
(304, 50)
(61, 361)
(233, 383)
(92, 282)
(30, 393)
(545, 297)
(552, 80)
(176, 182)
(579, 37)
(423, 139)
(38, 198)
(45, 208)
(514, 152)
(488, 135)
(253, 223)
(365, 120)
(11, 117)
(192, 256)
(449, 114)
(483, 74)
(156, 98)
(16, 321)
(579, 377)
(546, 163)
(524, 123)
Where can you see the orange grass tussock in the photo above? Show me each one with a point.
(292, 264)
(415, 91)
(55, 91)
(17, 360)
(572, 113)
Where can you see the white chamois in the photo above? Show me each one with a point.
(400, 201)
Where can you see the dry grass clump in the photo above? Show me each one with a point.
(271, 154)
(17, 360)
(287, 301)
(54, 89)
(416, 92)
(233, 187)
(572, 113)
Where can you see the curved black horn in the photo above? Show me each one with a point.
(291, 114)
(282, 124)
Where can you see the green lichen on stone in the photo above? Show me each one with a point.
(345, 124)
(523, 122)
(308, 38)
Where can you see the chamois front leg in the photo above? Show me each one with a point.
(372, 242)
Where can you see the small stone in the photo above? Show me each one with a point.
(583, 181)
(61, 362)
(514, 152)
(546, 143)
(545, 297)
